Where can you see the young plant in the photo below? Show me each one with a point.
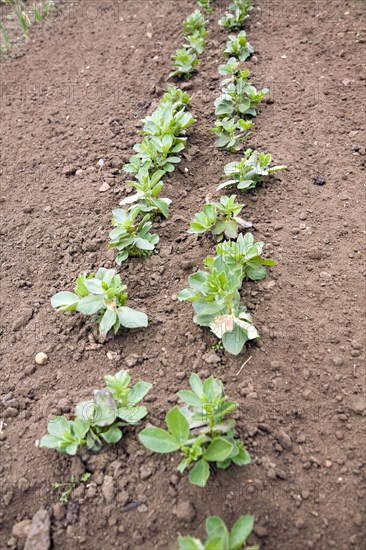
(200, 431)
(131, 236)
(185, 60)
(205, 5)
(219, 537)
(196, 43)
(221, 218)
(169, 119)
(239, 96)
(68, 487)
(231, 132)
(246, 253)
(159, 151)
(99, 420)
(148, 188)
(195, 23)
(216, 302)
(240, 10)
(238, 46)
(104, 297)
(176, 98)
(250, 170)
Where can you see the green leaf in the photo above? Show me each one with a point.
(241, 531)
(65, 301)
(158, 440)
(132, 318)
(190, 398)
(243, 458)
(138, 392)
(218, 450)
(132, 414)
(108, 320)
(218, 535)
(105, 411)
(95, 286)
(144, 244)
(234, 341)
(200, 473)
(178, 425)
(187, 294)
(90, 304)
(190, 543)
(196, 384)
(112, 435)
(58, 426)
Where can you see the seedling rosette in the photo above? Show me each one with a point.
(220, 538)
(131, 236)
(221, 218)
(250, 170)
(238, 46)
(200, 431)
(100, 419)
(216, 302)
(239, 12)
(148, 189)
(246, 253)
(102, 296)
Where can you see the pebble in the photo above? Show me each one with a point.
(319, 180)
(357, 404)
(108, 489)
(325, 275)
(185, 511)
(353, 133)
(146, 472)
(111, 355)
(39, 532)
(211, 358)
(284, 440)
(23, 484)
(303, 216)
(328, 463)
(104, 187)
(356, 345)
(337, 361)
(315, 254)
(132, 360)
(21, 529)
(41, 358)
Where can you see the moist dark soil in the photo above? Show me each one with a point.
(75, 94)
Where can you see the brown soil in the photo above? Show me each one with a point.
(75, 94)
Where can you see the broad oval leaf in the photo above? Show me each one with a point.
(65, 301)
(241, 531)
(132, 318)
(200, 473)
(158, 440)
(178, 425)
(90, 304)
(218, 450)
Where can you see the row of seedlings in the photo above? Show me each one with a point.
(186, 58)
(215, 293)
(206, 405)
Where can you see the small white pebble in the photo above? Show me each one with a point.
(41, 358)
(283, 56)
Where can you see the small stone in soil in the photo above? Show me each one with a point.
(41, 358)
(39, 533)
(318, 180)
(185, 511)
